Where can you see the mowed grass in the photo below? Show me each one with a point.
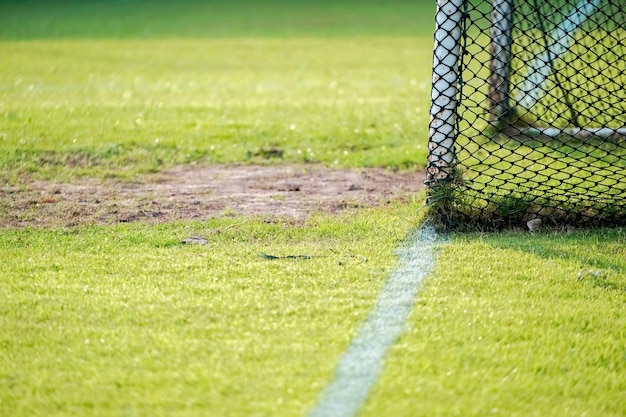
(99, 96)
(158, 19)
(514, 325)
(126, 320)
(117, 108)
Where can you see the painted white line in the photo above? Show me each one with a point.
(360, 364)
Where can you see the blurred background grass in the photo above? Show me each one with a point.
(124, 19)
(125, 87)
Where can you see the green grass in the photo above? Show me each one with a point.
(117, 108)
(133, 19)
(507, 182)
(126, 320)
(515, 326)
(89, 90)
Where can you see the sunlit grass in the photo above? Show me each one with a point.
(120, 107)
(125, 320)
(516, 326)
(112, 321)
(115, 89)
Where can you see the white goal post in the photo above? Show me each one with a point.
(442, 128)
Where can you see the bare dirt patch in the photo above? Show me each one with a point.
(294, 191)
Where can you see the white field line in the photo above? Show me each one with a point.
(361, 363)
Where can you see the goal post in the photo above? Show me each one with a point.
(443, 111)
(528, 114)
(500, 63)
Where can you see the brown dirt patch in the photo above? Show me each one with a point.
(203, 192)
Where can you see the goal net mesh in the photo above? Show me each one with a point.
(528, 121)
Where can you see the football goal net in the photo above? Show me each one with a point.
(528, 114)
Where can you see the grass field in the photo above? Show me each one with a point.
(126, 86)
(124, 320)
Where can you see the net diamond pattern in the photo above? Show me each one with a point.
(540, 127)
